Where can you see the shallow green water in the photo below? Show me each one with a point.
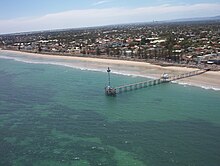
(55, 115)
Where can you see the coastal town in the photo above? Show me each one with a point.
(190, 44)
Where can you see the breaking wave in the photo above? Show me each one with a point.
(196, 85)
(81, 67)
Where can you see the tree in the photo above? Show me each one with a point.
(170, 44)
(39, 48)
(98, 51)
(108, 51)
(143, 41)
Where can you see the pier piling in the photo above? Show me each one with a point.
(164, 79)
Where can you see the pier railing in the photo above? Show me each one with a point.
(139, 85)
(144, 84)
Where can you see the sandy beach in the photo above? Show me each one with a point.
(208, 80)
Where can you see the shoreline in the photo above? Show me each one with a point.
(208, 80)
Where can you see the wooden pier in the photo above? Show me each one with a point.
(164, 79)
(139, 85)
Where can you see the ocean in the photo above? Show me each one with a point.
(54, 114)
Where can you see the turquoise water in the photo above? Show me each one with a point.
(55, 115)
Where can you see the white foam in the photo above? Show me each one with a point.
(212, 88)
(181, 83)
(132, 74)
(33, 61)
(196, 85)
(47, 63)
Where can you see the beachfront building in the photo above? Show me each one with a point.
(180, 44)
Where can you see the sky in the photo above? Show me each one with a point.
(35, 15)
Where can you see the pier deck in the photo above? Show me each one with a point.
(144, 84)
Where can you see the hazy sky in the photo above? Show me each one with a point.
(32, 15)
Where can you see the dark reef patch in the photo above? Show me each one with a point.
(154, 143)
